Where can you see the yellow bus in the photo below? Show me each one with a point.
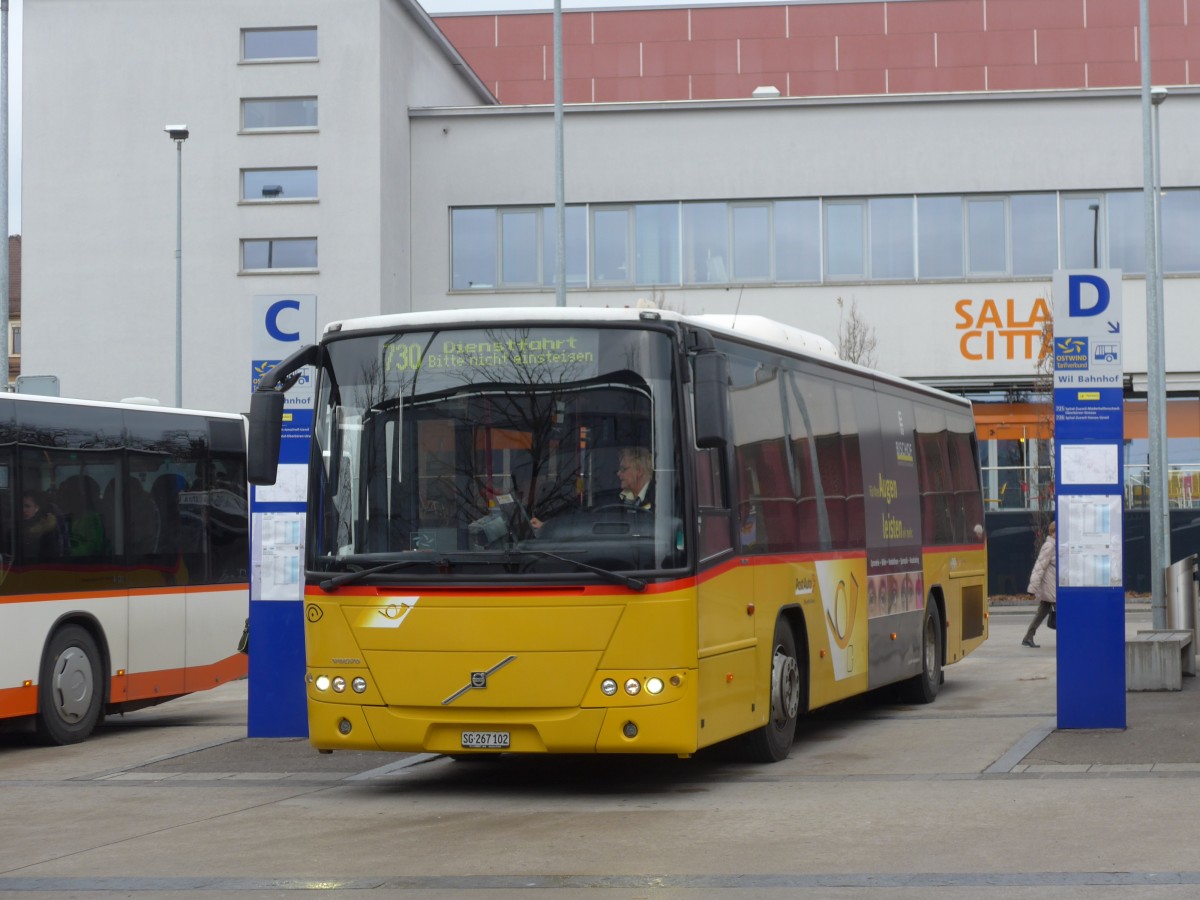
(485, 573)
(124, 559)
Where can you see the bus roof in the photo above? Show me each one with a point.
(747, 328)
(108, 404)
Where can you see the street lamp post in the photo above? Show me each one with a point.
(179, 134)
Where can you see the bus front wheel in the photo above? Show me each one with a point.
(923, 688)
(70, 692)
(773, 741)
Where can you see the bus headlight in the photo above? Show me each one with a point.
(608, 687)
(322, 682)
(633, 687)
(339, 684)
(358, 685)
(654, 685)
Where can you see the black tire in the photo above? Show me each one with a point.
(773, 741)
(923, 688)
(70, 689)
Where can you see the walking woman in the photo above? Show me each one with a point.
(1043, 584)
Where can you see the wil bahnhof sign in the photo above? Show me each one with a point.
(1088, 433)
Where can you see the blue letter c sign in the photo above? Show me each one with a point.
(272, 321)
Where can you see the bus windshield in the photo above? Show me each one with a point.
(497, 451)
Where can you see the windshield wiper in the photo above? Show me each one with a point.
(634, 584)
(349, 577)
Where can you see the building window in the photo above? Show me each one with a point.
(987, 245)
(1083, 236)
(279, 184)
(818, 240)
(473, 253)
(279, 253)
(612, 239)
(1180, 225)
(751, 241)
(940, 237)
(1126, 231)
(892, 243)
(575, 249)
(705, 243)
(279, 44)
(845, 234)
(797, 240)
(656, 243)
(519, 247)
(14, 340)
(1034, 234)
(279, 113)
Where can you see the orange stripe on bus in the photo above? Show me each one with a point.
(18, 701)
(166, 683)
(22, 701)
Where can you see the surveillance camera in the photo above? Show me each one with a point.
(176, 132)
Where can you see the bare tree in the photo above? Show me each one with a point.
(856, 337)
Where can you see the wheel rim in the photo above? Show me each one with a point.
(785, 688)
(73, 685)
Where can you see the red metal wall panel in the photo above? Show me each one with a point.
(629, 90)
(602, 61)
(1013, 14)
(466, 32)
(689, 57)
(832, 48)
(939, 80)
(633, 26)
(987, 48)
(906, 51)
(807, 54)
(935, 15)
(836, 18)
(1039, 77)
(710, 23)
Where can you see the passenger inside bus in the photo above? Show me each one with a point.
(41, 529)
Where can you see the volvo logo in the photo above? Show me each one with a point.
(478, 680)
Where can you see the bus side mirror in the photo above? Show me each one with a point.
(712, 399)
(262, 448)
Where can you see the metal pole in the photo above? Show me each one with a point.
(1095, 208)
(179, 273)
(1156, 393)
(560, 208)
(4, 298)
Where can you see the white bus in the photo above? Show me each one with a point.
(123, 559)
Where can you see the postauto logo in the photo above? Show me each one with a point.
(1070, 353)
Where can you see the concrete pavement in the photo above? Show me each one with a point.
(975, 796)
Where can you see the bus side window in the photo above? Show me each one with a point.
(713, 501)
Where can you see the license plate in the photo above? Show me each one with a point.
(485, 740)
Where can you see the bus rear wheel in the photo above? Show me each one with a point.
(773, 741)
(70, 692)
(923, 688)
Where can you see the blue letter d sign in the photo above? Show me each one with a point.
(1076, 307)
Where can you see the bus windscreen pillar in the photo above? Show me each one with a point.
(277, 697)
(1088, 482)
